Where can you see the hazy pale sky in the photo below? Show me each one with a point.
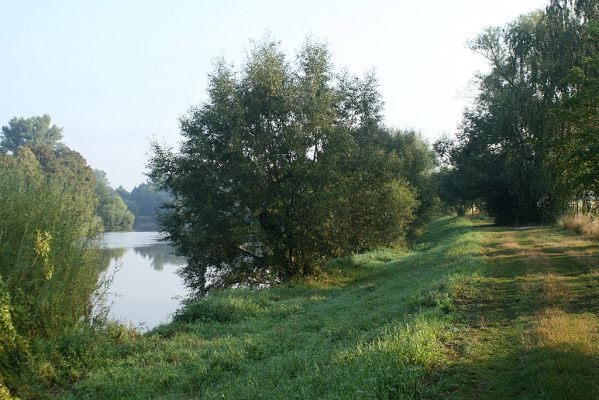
(115, 73)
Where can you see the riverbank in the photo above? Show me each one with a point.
(475, 311)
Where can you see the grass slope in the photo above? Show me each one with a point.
(473, 312)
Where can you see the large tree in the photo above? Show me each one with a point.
(283, 167)
(576, 132)
(528, 144)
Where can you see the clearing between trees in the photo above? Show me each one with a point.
(474, 311)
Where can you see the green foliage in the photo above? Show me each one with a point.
(415, 160)
(34, 132)
(285, 167)
(454, 189)
(48, 253)
(576, 161)
(221, 308)
(111, 208)
(527, 146)
(474, 311)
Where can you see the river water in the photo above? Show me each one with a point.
(145, 288)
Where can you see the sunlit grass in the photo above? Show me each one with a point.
(473, 311)
(371, 326)
(532, 329)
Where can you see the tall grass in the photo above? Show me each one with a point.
(581, 223)
(49, 258)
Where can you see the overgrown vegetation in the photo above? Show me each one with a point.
(582, 223)
(49, 255)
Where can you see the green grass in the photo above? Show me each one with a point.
(474, 311)
(374, 327)
(532, 328)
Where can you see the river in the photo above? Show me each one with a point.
(145, 288)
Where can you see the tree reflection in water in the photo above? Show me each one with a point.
(160, 254)
(108, 255)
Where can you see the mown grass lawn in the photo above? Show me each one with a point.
(474, 311)
(533, 326)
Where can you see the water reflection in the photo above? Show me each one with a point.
(109, 255)
(145, 288)
(159, 255)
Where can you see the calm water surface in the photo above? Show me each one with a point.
(146, 289)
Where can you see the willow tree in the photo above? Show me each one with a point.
(283, 168)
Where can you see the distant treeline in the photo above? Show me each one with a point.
(121, 210)
(144, 201)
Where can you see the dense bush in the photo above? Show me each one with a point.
(582, 223)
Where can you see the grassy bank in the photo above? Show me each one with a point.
(374, 329)
(475, 311)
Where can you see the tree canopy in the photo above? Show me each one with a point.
(528, 144)
(285, 166)
(34, 132)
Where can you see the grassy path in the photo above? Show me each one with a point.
(533, 326)
(474, 312)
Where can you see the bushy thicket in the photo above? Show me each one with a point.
(285, 166)
(49, 255)
(582, 223)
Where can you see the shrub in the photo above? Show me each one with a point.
(218, 307)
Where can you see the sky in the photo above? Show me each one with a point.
(117, 73)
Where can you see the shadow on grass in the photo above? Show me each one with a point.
(528, 273)
(564, 372)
